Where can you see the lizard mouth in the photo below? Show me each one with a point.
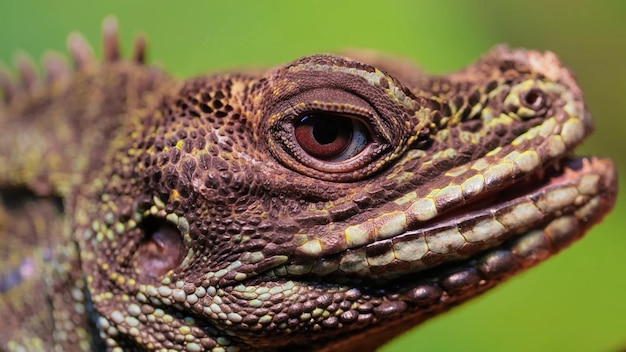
(523, 222)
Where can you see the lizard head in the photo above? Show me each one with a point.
(330, 198)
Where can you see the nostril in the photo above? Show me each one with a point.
(533, 99)
(160, 249)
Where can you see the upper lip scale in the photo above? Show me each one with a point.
(360, 259)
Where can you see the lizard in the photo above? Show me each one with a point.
(330, 203)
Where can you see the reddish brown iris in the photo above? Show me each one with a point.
(160, 251)
(324, 136)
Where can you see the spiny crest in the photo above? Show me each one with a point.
(55, 66)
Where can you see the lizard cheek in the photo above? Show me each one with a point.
(160, 251)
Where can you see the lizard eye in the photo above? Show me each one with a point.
(160, 249)
(331, 145)
(331, 137)
(342, 133)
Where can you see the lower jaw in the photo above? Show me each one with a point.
(404, 302)
(401, 302)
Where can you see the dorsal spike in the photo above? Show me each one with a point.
(111, 50)
(56, 67)
(6, 84)
(26, 70)
(81, 51)
(139, 50)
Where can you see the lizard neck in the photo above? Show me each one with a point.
(68, 128)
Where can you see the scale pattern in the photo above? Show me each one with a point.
(327, 204)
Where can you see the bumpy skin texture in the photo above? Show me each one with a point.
(327, 204)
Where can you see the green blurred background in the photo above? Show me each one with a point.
(574, 302)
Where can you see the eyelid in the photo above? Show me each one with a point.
(388, 121)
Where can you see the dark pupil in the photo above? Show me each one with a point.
(324, 136)
(325, 131)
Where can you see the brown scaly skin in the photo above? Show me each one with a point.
(327, 204)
